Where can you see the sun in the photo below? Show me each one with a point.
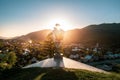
(64, 24)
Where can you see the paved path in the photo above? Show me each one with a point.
(65, 63)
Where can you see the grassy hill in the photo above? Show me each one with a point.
(55, 74)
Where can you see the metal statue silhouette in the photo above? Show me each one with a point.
(58, 35)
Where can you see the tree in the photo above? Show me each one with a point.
(8, 60)
(1, 44)
(49, 46)
(12, 58)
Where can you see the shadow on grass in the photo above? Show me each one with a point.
(55, 74)
(22, 74)
(59, 74)
(38, 74)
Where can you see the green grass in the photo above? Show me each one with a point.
(55, 74)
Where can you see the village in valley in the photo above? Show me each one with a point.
(28, 52)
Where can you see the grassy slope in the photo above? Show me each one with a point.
(55, 74)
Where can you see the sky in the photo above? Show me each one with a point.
(19, 17)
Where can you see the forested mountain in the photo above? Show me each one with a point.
(107, 33)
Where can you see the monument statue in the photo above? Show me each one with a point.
(58, 35)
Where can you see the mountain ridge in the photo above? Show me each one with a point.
(105, 33)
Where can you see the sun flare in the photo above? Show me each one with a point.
(64, 24)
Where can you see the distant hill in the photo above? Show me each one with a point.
(1, 37)
(37, 36)
(103, 33)
(106, 33)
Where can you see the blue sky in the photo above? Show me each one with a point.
(18, 17)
